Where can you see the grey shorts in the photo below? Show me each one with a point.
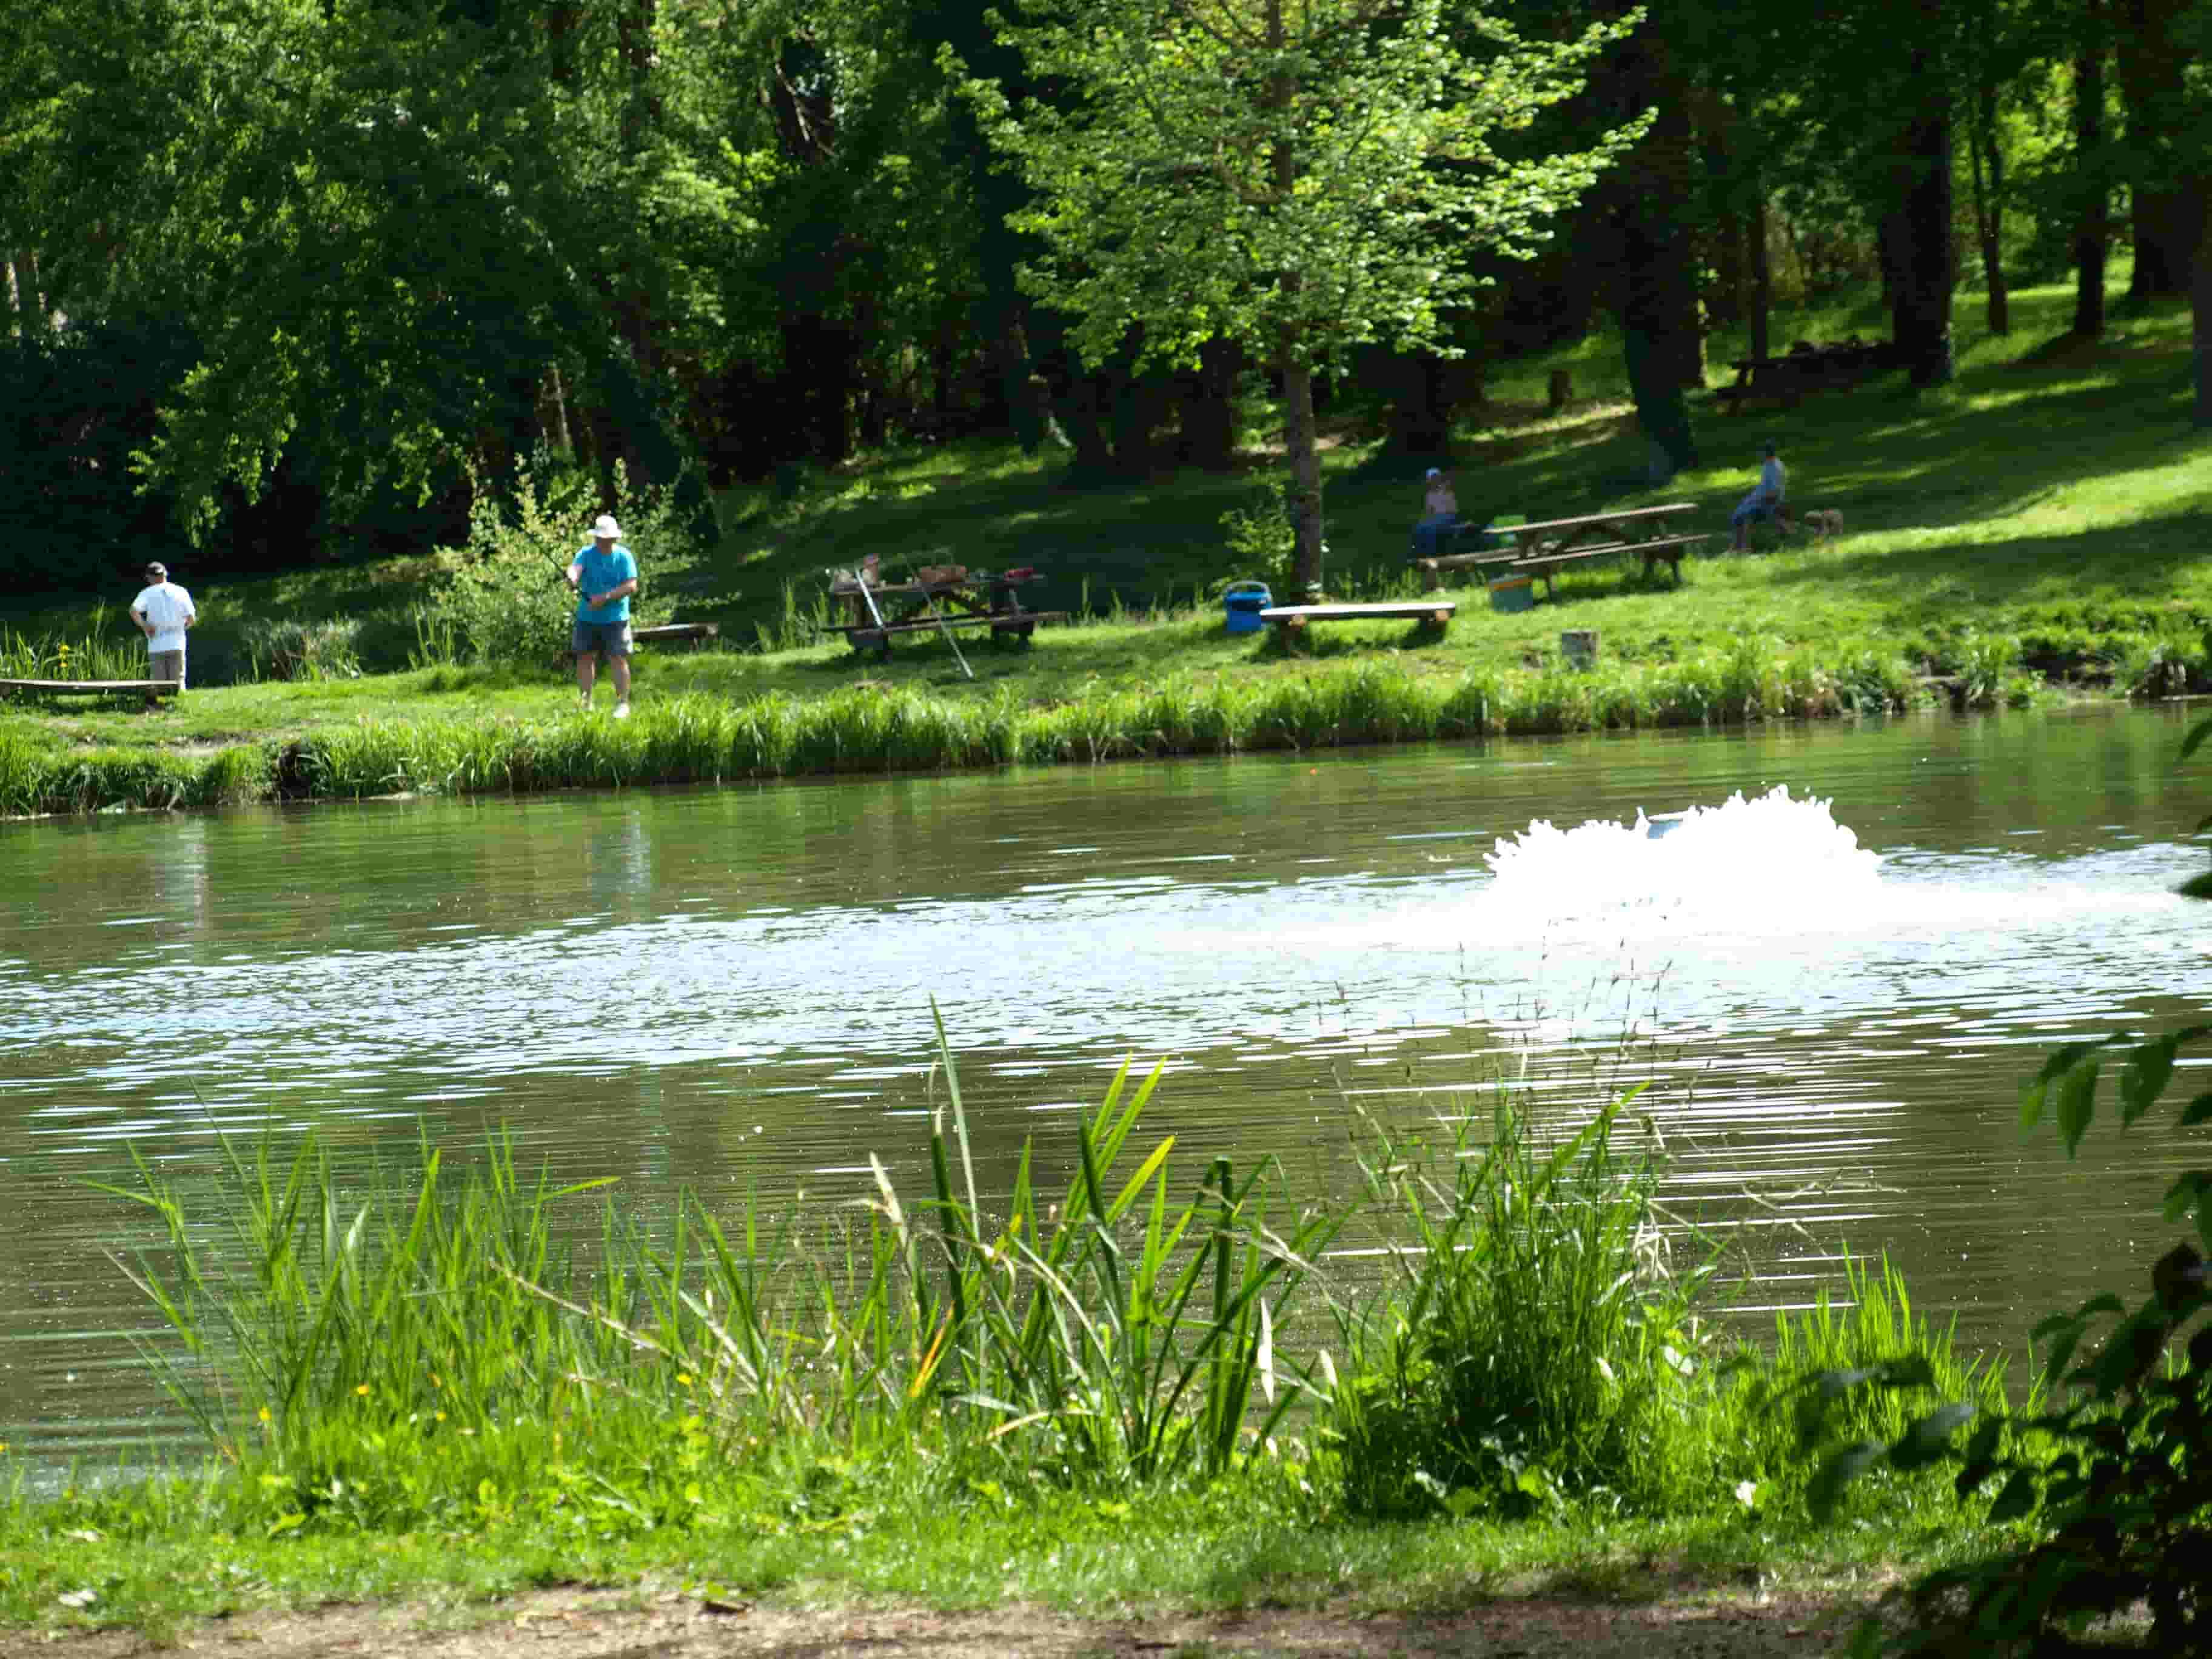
(166, 666)
(611, 637)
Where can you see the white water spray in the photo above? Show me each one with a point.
(1774, 858)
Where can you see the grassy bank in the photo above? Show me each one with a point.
(2036, 527)
(1124, 1383)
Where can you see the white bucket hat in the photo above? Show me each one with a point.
(604, 526)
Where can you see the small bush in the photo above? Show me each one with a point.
(506, 600)
(303, 651)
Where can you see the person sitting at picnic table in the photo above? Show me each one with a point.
(1765, 502)
(1440, 512)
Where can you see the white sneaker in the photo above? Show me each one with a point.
(621, 709)
(584, 702)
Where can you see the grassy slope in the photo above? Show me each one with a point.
(2055, 494)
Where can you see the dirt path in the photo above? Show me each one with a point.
(626, 1624)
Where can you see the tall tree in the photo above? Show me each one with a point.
(2156, 63)
(2093, 211)
(1300, 178)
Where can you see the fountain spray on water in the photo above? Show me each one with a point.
(1772, 858)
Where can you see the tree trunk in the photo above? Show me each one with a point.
(1141, 405)
(1985, 153)
(1925, 261)
(1762, 279)
(1299, 434)
(558, 400)
(35, 320)
(2092, 227)
(1663, 344)
(1206, 406)
(2199, 187)
(1661, 251)
(2152, 69)
(1304, 462)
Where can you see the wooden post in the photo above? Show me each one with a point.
(1579, 647)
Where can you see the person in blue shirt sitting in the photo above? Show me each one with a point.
(1439, 514)
(1763, 503)
(605, 575)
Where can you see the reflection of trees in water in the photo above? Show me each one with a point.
(619, 859)
(176, 872)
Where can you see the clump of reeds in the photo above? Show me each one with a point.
(1537, 1343)
(370, 1355)
(424, 1351)
(96, 656)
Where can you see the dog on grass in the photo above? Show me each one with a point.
(1824, 522)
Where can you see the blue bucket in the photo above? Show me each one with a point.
(1243, 603)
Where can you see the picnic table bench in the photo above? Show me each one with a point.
(1289, 619)
(1805, 368)
(698, 632)
(1550, 544)
(935, 599)
(150, 690)
(1432, 565)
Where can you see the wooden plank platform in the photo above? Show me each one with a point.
(698, 632)
(89, 688)
(1291, 618)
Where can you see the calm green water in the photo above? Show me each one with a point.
(729, 989)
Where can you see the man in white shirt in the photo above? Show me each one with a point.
(163, 612)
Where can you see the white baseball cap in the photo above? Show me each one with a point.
(604, 526)
(1435, 472)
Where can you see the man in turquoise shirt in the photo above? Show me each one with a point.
(605, 575)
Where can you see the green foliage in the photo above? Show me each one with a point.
(506, 600)
(1261, 541)
(1301, 181)
(99, 656)
(1206, 157)
(418, 1354)
(35, 778)
(303, 651)
(1538, 1345)
(1783, 1408)
(2112, 1483)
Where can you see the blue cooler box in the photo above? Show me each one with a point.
(1512, 592)
(1244, 601)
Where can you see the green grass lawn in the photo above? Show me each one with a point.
(2045, 513)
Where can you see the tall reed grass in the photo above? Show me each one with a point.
(421, 1348)
(1334, 704)
(1336, 700)
(98, 655)
(37, 778)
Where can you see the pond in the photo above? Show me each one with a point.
(731, 990)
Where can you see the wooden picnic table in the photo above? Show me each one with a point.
(935, 599)
(1548, 543)
(1805, 368)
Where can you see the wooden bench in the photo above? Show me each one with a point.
(698, 633)
(1668, 550)
(1290, 619)
(1432, 570)
(150, 690)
